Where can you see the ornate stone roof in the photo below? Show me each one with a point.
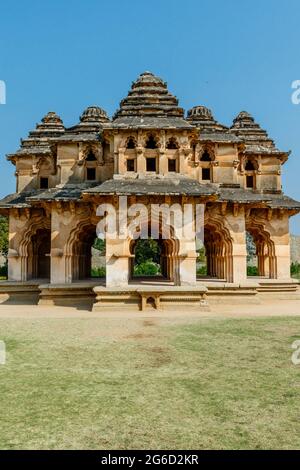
(149, 104)
(154, 186)
(202, 117)
(91, 123)
(245, 127)
(149, 96)
(50, 126)
(255, 138)
(39, 140)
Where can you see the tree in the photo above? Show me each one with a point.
(3, 235)
(147, 250)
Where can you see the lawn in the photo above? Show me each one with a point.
(153, 383)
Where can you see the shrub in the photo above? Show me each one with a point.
(295, 269)
(98, 272)
(202, 271)
(252, 271)
(147, 268)
(3, 272)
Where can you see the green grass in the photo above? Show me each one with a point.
(126, 383)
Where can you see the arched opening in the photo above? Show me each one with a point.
(131, 144)
(38, 259)
(250, 172)
(205, 157)
(87, 255)
(151, 142)
(249, 166)
(146, 261)
(252, 263)
(153, 260)
(215, 257)
(90, 167)
(265, 259)
(172, 144)
(205, 163)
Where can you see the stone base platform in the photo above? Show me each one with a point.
(228, 293)
(19, 292)
(281, 290)
(151, 297)
(91, 295)
(68, 294)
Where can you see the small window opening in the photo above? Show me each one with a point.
(205, 157)
(131, 143)
(44, 182)
(249, 181)
(172, 144)
(91, 157)
(91, 174)
(151, 164)
(206, 174)
(151, 143)
(172, 165)
(249, 166)
(130, 164)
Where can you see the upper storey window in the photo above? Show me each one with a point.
(90, 167)
(249, 166)
(205, 163)
(205, 157)
(172, 165)
(250, 170)
(91, 174)
(151, 164)
(130, 143)
(44, 182)
(172, 144)
(151, 143)
(91, 157)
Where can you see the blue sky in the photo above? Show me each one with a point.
(227, 55)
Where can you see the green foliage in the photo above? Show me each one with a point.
(202, 271)
(98, 272)
(147, 250)
(295, 269)
(252, 271)
(147, 268)
(99, 245)
(3, 271)
(3, 235)
(201, 254)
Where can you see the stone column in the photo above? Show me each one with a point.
(140, 160)
(187, 262)
(117, 262)
(16, 227)
(237, 266)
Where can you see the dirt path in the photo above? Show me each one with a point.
(266, 308)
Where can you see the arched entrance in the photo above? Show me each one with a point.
(217, 253)
(85, 254)
(264, 250)
(153, 259)
(38, 260)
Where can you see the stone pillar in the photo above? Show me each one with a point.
(163, 163)
(59, 273)
(117, 263)
(122, 161)
(237, 265)
(140, 160)
(187, 262)
(282, 253)
(15, 264)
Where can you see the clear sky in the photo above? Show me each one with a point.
(228, 55)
